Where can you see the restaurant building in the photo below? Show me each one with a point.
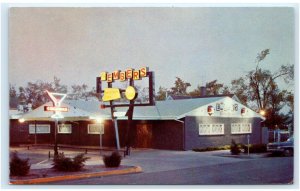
(182, 124)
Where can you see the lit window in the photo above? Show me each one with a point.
(211, 129)
(65, 128)
(96, 128)
(40, 129)
(241, 128)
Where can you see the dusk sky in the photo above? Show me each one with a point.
(196, 44)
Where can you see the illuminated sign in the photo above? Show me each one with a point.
(111, 94)
(122, 76)
(57, 98)
(52, 108)
(130, 93)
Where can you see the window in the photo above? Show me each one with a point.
(65, 128)
(95, 128)
(241, 128)
(211, 129)
(40, 128)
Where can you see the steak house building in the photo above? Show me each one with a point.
(172, 124)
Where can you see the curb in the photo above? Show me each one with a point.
(135, 169)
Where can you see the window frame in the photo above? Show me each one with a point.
(95, 133)
(32, 128)
(211, 126)
(66, 125)
(241, 128)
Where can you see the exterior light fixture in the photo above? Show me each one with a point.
(243, 111)
(262, 112)
(102, 106)
(99, 120)
(22, 120)
(210, 110)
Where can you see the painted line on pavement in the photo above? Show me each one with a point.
(41, 162)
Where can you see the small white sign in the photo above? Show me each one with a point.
(119, 114)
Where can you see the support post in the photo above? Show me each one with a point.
(129, 122)
(117, 133)
(100, 143)
(55, 138)
(34, 132)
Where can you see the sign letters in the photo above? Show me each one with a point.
(122, 76)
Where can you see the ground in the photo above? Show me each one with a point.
(162, 167)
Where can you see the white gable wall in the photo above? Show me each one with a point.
(226, 107)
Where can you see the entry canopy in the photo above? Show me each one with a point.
(73, 114)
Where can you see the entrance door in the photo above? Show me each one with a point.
(144, 135)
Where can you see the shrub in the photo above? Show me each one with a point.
(113, 160)
(234, 148)
(62, 163)
(255, 148)
(18, 166)
(225, 147)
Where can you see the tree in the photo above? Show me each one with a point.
(79, 92)
(58, 87)
(22, 95)
(259, 89)
(196, 92)
(240, 89)
(180, 87)
(161, 94)
(12, 91)
(36, 91)
(211, 88)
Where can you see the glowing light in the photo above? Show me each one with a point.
(99, 120)
(210, 110)
(262, 112)
(22, 120)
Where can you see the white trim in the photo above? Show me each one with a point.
(66, 126)
(39, 128)
(101, 126)
(208, 129)
(241, 128)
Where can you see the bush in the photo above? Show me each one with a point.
(62, 163)
(255, 148)
(225, 147)
(234, 148)
(114, 160)
(18, 166)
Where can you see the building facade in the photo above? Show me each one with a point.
(172, 124)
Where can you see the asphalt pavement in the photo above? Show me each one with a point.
(165, 167)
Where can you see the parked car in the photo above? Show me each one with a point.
(286, 148)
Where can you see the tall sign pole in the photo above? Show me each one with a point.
(114, 120)
(57, 99)
(110, 94)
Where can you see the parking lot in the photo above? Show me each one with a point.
(181, 167)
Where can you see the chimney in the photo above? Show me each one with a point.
(202, 91)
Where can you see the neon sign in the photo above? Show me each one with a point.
(125, 75)
(51, 108)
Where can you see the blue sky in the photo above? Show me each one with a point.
(197, 44)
